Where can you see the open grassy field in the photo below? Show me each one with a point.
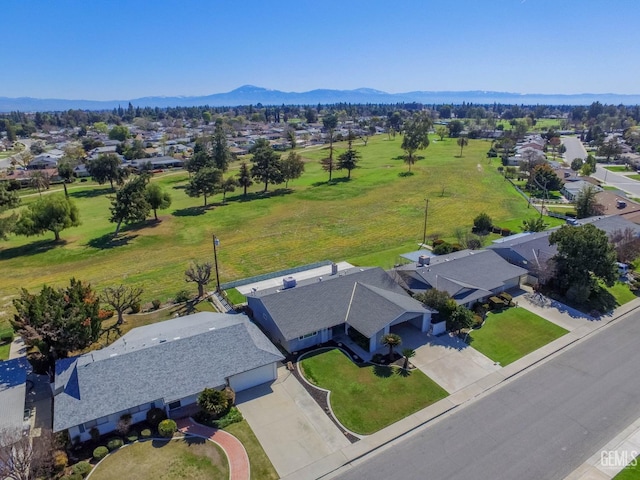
(511, 334)
(193, 458)
(378, 210)
(368, 398)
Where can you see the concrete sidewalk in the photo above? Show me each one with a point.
(329, 466)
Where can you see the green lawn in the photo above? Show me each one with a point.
(367, 399)
(634, 177)
(235, 297)
(261, 467)
(630, 472)
(4, 351)
(378, 210)
(511, 334)
(193, 458)
(616, 168)
(621, 293)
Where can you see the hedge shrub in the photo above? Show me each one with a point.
(155, 416)
(146, 433)
(132, 437)
(82, 468)
(100, 452)
(60, 460)
(114, 444)
(166, 428)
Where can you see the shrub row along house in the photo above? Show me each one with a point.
(163, 365)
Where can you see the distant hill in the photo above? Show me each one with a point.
(251, 95)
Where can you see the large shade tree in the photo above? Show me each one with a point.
(584, 257)
(267, 166)
(130, 203)
(157, 198)
(8, 199)
(52, 213)
(58, 320)
(205, 182)
(416, 136)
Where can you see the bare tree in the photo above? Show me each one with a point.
(25, 458)
(121, 298)
(199, 273)
(626, 243)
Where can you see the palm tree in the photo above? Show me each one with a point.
(391, 340)
(462, 142)
(407, 353)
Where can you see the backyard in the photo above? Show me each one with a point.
(368, 398)
(376, 211)
(513, 333)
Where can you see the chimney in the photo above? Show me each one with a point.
(424, 260)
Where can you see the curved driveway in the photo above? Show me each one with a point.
(542, 425)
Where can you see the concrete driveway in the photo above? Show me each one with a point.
(293, 430)
(447, 360)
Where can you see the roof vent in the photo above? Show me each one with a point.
(319, 279)
(113, 355)
(288, 282)
(176, 338)
(334, 268)
(163, 340)
(424, 260)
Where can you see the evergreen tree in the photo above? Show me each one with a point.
(130, 203)
(349, 160)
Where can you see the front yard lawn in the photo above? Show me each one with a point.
(192, 458)
(511, 334)
(261, 467)
(368, 398)
(630, 472)
(621, 292)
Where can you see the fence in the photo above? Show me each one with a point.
(268, 276)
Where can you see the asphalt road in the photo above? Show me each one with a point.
(617, 180)
(542, 425)
(575, 149)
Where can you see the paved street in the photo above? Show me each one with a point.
(574, 147)
(542, 425)
(618, 180)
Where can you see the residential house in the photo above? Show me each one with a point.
(469, 276)
(164, 365)
(13, 389)
(571, 190)
(302, 314)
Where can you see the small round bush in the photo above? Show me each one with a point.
(156, 304)
(135, 308)
(60, 460)
(114, 444)
(100, 452)
(146, 433)
(155, 416)
(132, 437)
(82, 468)
(182, 296)
(167, 428)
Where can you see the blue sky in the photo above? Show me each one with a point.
(123, 49)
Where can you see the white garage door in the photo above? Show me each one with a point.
(249, 379)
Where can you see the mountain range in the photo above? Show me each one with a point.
(252, 95)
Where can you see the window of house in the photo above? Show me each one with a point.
(312, 334)
(174, 405)
(102, 420)
(90, 424)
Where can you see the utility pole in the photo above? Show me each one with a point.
(424, 234)
(216, 242)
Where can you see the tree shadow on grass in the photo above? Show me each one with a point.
(188, 307)
(91, 192)
(191, 211)
(280, 192)
(110, 241)
(156, 443)
(382, 371)
(34, 248)
(406, 174)
(401, 372)
(334, 181)
(192, 440)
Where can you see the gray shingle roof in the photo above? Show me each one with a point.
(314, 304)
(466, 275)
(13, 378)
(167, 360)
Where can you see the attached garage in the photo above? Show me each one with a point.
(252, 378)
